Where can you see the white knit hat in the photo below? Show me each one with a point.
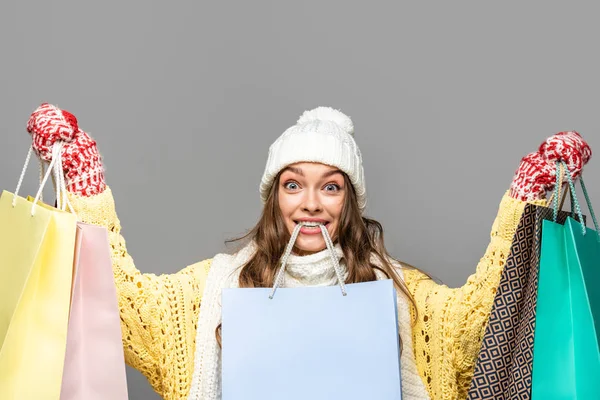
(322, 135)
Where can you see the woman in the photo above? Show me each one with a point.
(313, 176)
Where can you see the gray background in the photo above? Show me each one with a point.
(184, 98)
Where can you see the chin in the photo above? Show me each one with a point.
(306, 247)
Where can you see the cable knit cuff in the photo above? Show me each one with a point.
(96, 209)
(509, 215)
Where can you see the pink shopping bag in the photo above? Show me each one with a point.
(94, 362)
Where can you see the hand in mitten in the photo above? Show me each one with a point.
(536, 175)
(82, 164)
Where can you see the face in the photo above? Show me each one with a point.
(311, 192)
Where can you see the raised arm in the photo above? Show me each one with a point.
(452, 322)
(157, 312)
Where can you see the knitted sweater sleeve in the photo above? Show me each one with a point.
(158, 313)
(450, 322)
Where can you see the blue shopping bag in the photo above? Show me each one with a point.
(315, 343)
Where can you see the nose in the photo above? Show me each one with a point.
(312, 202)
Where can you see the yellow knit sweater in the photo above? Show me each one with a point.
(159, 313)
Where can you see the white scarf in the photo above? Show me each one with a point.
(312, 270)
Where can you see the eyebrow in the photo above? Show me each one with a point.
(301, 173)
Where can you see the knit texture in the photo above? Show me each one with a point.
(536, 174)
(322, 135)
(451, 322)
(159, 313)
(82, 162)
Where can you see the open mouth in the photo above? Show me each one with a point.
(312, 224)
(311, 227)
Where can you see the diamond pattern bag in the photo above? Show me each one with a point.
(504, 367)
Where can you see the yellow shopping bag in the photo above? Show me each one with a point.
(36, 265)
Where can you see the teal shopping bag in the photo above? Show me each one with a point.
(583, 264)
(566, 357)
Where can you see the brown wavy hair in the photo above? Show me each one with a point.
(358, 236)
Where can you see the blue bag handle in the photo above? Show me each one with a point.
(288, 251)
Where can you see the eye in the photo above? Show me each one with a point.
(291, 185)
(332, 187)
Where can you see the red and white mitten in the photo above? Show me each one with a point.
(82, 163)
(536, 175)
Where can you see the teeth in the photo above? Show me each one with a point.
(313, 224)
